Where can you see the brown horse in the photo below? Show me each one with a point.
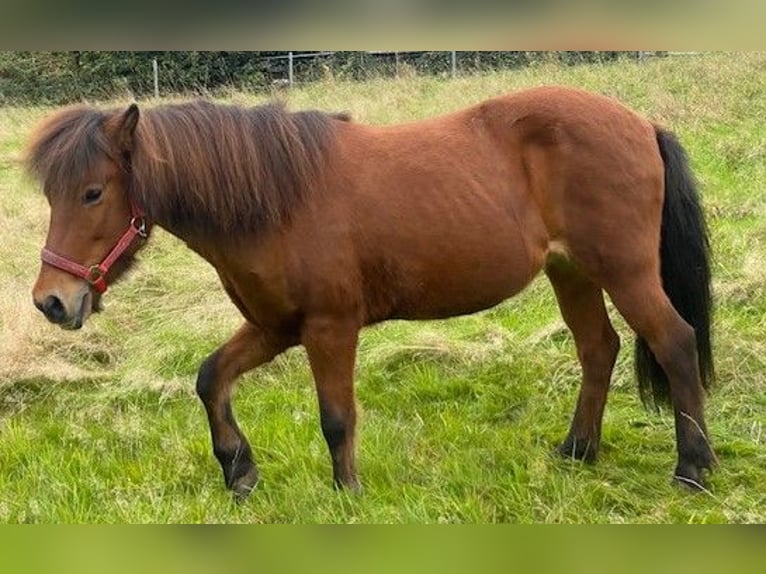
(318, 226)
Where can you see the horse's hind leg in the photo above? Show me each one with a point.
(582, 306)
(647, 309)
(247, 349)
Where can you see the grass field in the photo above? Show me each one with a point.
(458, 418)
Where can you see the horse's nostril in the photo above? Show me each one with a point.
(53, 309)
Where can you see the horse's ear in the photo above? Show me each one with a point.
(122, 128)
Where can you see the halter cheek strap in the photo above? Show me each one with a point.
(95, 275)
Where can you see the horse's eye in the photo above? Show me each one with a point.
(92, 195)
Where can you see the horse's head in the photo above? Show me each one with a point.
(82, 157)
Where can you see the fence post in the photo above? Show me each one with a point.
(155, 69)
(290, 68)
(453, 56)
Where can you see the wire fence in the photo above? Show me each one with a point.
(376, 60)
(292, 67)
(286, 69)
(63, 77)
(296, 67)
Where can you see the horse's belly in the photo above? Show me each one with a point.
(462, 274)
(447, 295)
(456, 246)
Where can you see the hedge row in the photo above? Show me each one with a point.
(63, 77)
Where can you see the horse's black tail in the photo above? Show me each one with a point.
(685, 264)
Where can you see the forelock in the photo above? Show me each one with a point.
(66, 146)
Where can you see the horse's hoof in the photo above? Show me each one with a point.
(353, 486)
(244, 485)
(690, 477)
(584, 450)
(694, 465)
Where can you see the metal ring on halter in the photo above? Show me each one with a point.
(95, 273)
(139, 224)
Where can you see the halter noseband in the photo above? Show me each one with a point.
(95, 275)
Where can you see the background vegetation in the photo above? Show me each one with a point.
(459, 417)
(62, 77)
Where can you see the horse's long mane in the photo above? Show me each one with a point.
(196, 167)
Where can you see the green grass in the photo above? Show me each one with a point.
(458, 418)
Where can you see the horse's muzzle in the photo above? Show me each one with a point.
(56, 312)
(53, 309)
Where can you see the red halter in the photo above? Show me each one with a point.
(95, 275)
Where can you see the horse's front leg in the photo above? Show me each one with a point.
(331, 348)
(247, 349)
